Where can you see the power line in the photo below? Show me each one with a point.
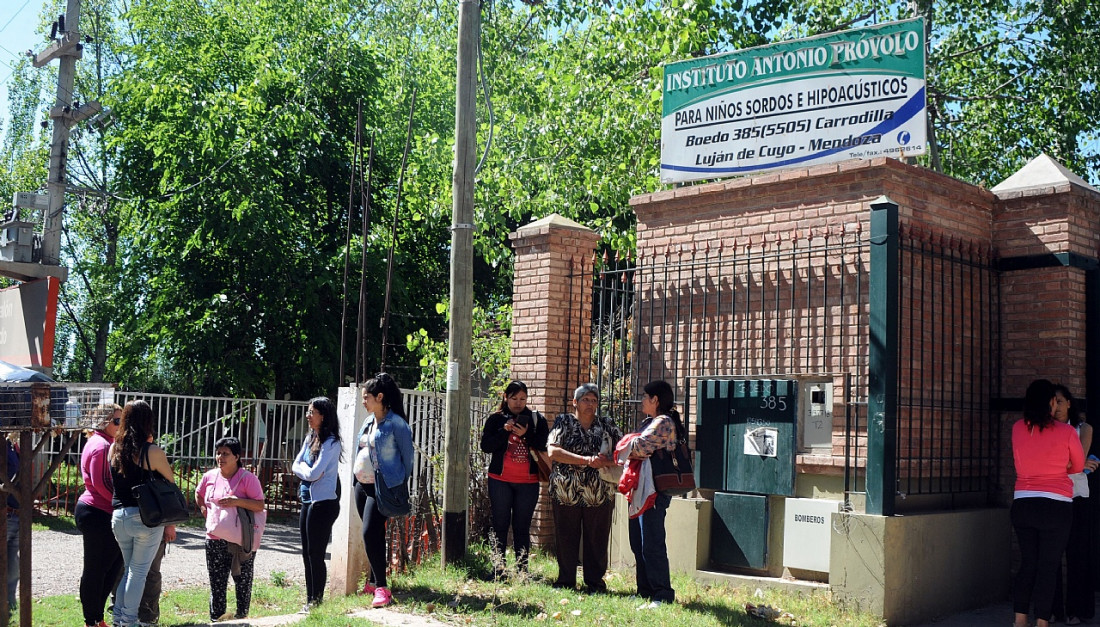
(12, 18)
(2, 29)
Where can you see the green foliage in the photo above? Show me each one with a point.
(214, 260)
(1007, 79)
(491, 351)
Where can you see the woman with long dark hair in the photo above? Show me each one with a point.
(1045, 452)
(317, 466)
(661, 430)
(102, 557)
(384, 460)
(133, 446)
(512, 436)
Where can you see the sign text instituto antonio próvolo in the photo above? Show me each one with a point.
(852, 94)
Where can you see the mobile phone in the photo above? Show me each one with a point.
(522, 420)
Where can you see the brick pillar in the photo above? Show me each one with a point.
(552, 310)
(551, 324)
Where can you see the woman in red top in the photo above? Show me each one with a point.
(512, 436)
(1044, 451)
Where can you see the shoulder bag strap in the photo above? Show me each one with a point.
(143, 461)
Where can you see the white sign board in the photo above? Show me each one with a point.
(853, 94)
(28, 314)
(807, 533)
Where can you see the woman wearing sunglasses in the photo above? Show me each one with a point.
(102, 557)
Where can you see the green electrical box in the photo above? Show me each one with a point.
(712, 431)
(746, 435)
(739, 531)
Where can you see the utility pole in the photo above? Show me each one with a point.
(15, 258)
(456, 452)
(59, 147)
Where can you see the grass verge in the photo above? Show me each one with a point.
(466, 596)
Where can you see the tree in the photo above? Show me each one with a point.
(1007, 79)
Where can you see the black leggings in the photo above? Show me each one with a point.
(315, 525)
(374, 533)
(219, 565)
(102, 560)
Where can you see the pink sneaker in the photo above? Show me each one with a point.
(382, 597)
(368, 589)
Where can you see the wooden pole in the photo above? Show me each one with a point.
(456, 488)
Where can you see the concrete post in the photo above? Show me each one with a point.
(347, 557)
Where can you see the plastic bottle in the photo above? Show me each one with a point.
(72, 413)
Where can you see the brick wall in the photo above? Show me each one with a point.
(795, 298)
(768, 275)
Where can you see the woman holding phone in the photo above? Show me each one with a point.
(512, 436)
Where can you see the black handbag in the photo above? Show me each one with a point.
(672, 471)
(160, 502)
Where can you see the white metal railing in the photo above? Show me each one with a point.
(271, 433)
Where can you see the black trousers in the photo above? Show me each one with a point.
(102, 561)
(513, 506)
(219, 565)
(374, 533)
(315, 526)
(1042, 530)
(576, 525)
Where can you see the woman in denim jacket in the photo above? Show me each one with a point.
(385, 454)
(317, 466)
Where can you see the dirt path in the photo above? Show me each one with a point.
(57, 559)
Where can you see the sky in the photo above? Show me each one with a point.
(18, 19)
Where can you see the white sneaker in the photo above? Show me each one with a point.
(652, 605)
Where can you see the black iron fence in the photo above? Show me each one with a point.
(800, 307)
(948, 368)
(790, 307)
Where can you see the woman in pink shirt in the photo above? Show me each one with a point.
(1045, 452)
(220, 492)
(102, 557)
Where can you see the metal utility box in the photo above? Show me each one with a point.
(807, 533)
(746, 435)
(815, 416)
(16, 241)
(739, 531)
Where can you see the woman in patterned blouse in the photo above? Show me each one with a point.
(579, 445)
(661, 430)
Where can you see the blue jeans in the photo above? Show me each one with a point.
(647, 542)
(513, 505)
(13, 558)
(139, 545)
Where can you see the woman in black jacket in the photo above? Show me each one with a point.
(513, 436)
